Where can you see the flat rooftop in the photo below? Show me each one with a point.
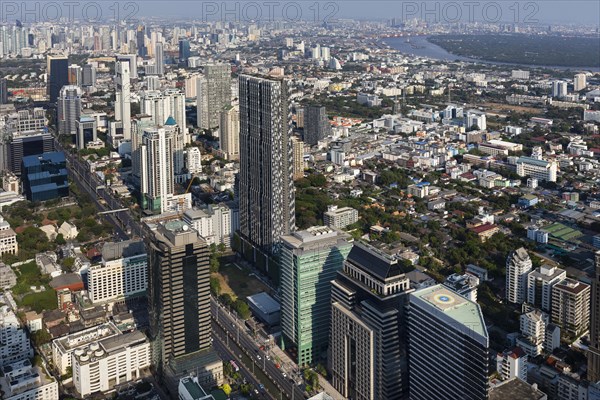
(465, 313)
(515, 388)
(264, 303)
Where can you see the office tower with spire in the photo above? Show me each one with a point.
(69, 110)
(58, 75)
(213, 94)
(518, 266)
(156, 168)
(367, 343)
(310, 260)
(123, 97)
(594, 347)
(229, 132)
(316, 124)
(179, 305)
(266, 187)
(448, 346)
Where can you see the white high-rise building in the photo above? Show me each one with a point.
(579, 82)
(533, 330)
(193, 161)
(132, 60)
(214, 223)
(511, 364)
(540, 283)
(229, 132)
(154, 103)
(69, 109)
(175, 131)
(14, 343)
(176, 99)
(191, 86)
(159, 59)
(123, 97)
(157, 173)
(475, 118)
(559, 89)
(152, 82)
(162, 105)
(518, 265)
(102, 365)
(121, 274)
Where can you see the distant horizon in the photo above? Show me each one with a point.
(542, 12)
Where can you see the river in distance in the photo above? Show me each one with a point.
(420, 47)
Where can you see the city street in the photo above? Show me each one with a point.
(238, 331)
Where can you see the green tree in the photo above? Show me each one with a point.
(68, 263)
(215, 286)
(241, 308)
(60, 239)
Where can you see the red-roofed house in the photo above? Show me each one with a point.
(485, 231)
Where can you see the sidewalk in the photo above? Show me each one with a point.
(288, 365)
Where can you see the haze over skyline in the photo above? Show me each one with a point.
(503, 11)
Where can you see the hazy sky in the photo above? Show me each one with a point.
(542, 11)
(502, 11)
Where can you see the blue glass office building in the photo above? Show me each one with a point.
(45, 176)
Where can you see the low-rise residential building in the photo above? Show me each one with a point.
(542, 170)
(34, 321)
(340, 217)
(465, 285)
(8, 278)
(190, 389)
(62, 348)
(485, 231)
(22, 381)
(8, 239)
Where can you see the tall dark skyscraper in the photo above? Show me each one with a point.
(141, 41)
(316, 124)
(594, 348)
(367, 345)
(179, 302)
(265, 180)
(184, 50)
(3, 91)
(58, 75)
(448, 346)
